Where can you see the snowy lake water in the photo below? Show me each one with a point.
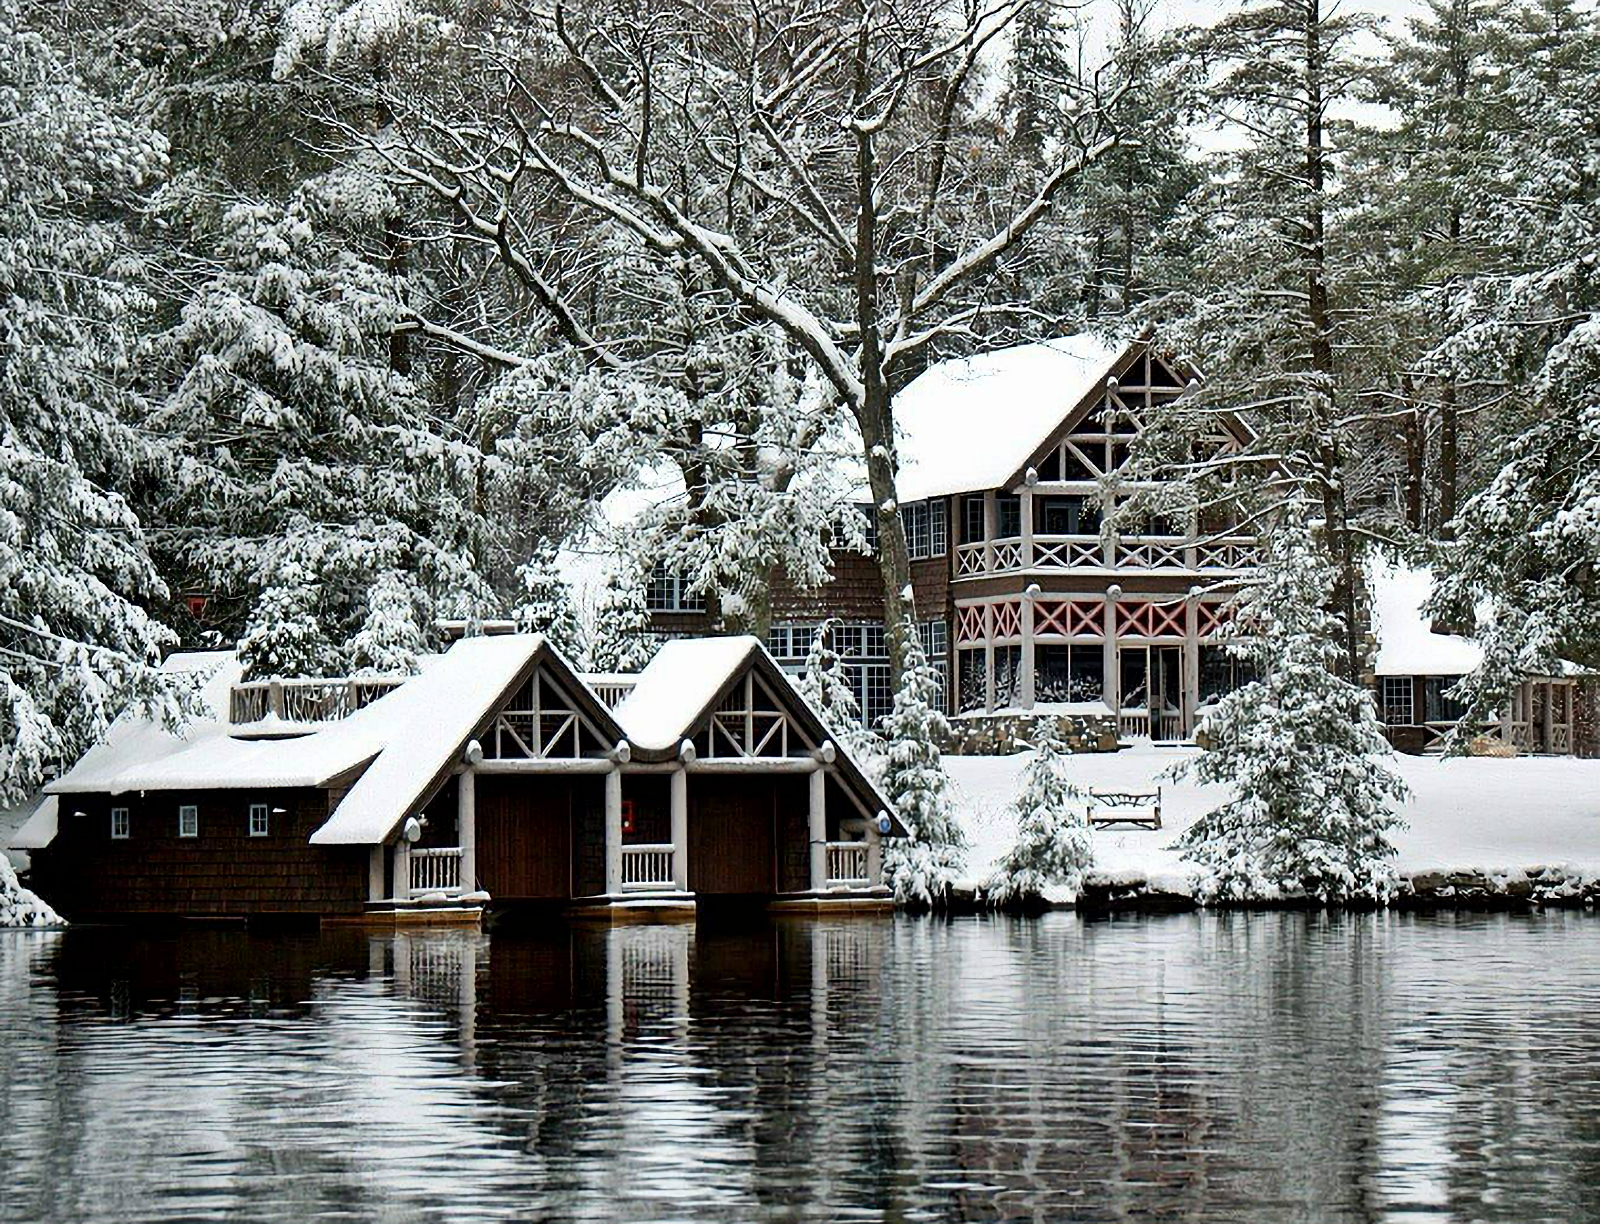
(1273, 1067)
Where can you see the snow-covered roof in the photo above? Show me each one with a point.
(39, 830)
(677, 685)
(1407, 644)
(973, 422)
(139, 753)
(448, 703)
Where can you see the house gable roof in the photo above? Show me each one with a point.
(971, 423)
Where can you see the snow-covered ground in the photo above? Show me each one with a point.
(1463, 813)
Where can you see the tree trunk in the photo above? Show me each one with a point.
(1335, 506)
(1415, 447)
(1449, 458)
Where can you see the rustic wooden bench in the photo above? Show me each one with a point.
(1141, 808)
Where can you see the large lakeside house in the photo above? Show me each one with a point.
(497, 774)
(1030, 600)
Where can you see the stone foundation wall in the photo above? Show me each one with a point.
(1006, 734)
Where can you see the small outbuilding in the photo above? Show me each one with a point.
(496, 775)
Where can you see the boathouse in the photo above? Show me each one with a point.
(497, 775)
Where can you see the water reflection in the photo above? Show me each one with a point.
(1268, 1067)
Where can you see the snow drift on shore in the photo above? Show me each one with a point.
(18, 906)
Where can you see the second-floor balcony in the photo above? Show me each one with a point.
(1230, 554)
(312, 699)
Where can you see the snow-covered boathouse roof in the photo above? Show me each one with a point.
(395, 752)
(972, 423)
(1407, 643)
(689, 678)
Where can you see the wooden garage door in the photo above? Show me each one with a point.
(525, 837)
(731, 835)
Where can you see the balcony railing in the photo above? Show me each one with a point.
(647, 866)
(317, 699)
(847, 863)
(436, 870)
(612, 690)
(1065, 552)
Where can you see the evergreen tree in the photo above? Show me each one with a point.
(824, 686)
(1299, 747)
(1528, 544)
(391, 640)
(620, 639)
(1053, 846)
(77, 578)
(922, 867)
(284, 635)
(544, 604)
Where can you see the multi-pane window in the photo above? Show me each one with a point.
(1008, 677)
(1221, 672)
(119, 824)
(1063, 673)
(972, 519)
(870, 528)
(863, 660)
(972, 679)
(1398, 705)
(1073, 514)
(1007, 516)
(927, 528)
(1439, 705)
(258, 820)
(669, 592)
(188, 821)
(935, 635)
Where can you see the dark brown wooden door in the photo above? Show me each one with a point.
(525, 837)
(731, 835)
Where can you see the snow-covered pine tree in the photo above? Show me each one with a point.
(544, 604)
(284, 635)
(824, 685)
(619, 636)
(76, 574)
(1054, 846)
(1299, 748)
(922, 867)
(1528, 543)
(391, 639)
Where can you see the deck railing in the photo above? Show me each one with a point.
(612, 690)
(436, 870)
(647, 866)
(847, 863)
(314, 699)
(1053, 552)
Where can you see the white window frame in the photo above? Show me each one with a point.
(263, 828)
(1409, 701)
(120, 824)
(188, 820)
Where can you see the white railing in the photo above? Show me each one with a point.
(847, 863)
(969, 560)
(1151, 554)
(647, 866)
(315, 699)
(1239, 554)
(436, 870)
(1068, 552)
(611, 689)
(1166, 724)
(1007, 555)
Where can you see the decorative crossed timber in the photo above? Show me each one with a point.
(1150, 554)
(1008, 555)
(969, 560)
(1052, 553)
(1008, 620)
(969, 623)
(1069, 617)
(749, 723)
(1150, 619)
(538, 723)
(1213, 619)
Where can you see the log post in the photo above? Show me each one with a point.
(614, 830)
(679, 795)
(817, 827)
(402, 869)
(467, 827)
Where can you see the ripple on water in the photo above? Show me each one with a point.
(1272, 1068)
